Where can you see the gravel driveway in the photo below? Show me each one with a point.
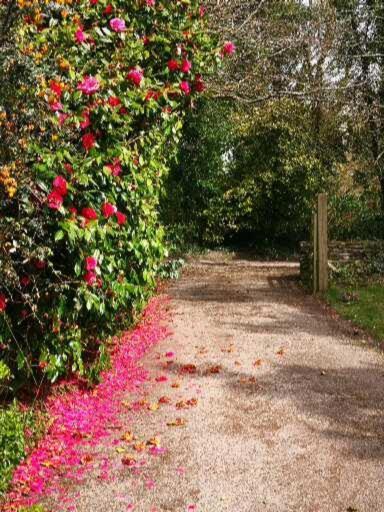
(273, 406)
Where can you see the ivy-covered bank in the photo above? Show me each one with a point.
(81, 240)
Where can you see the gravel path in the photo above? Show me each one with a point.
(289, 411)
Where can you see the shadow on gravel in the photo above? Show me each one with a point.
(346, 404)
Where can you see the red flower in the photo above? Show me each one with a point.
(60, 185)
(108, 10)
(108, 210)
(185, 88)
(135, 76)
(86, 121)
(90, 278)
(121, 218)
(89, 141)
(93, 2)
(56, 88)
(114, 101)
(90, 263)
(173, 65)
(152, 95)
(3, 302)
(89, 213)
(40, 264)
(55, 200)
(186, 66)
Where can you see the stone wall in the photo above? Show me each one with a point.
(339, 253)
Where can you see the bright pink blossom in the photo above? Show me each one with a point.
(90, 278)
(89, 85)
(3, 302)
(60, 185)
(56, 106)
(117, 25)
(108, 210)
(55, 200)
(186, 66)
(90, 263)
(135, 76)
(228, 49)
(80, 36)
(185, 88)
(150, 3)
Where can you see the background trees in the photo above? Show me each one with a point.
(302, 100)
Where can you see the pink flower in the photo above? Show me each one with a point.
(3, 302)
(115, 167)
(55, 200)
(185, 88)
(60, 185)
(150, 3)
(228, 49)
(113, 101)
(89, 213)
(80, 36)
(62, 117)
(108, 210)
(121, 218)
(56, 106)
(90, 278)
(117, 25)
(90, 263)
(135, 76)
(89, 85)
(202, 11)
(88, 140)
(173, 65)
(186, 66)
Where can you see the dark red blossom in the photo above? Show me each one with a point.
(88, 141)
(89, 213)
(55, 200)
(3, 302)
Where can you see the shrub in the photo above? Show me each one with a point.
(13, 423)
(81, 241)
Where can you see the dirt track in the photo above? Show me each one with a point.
(290, 408)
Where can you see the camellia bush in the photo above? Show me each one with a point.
(80, 240)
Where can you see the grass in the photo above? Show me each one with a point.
(363, 304)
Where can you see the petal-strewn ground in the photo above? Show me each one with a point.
(257, 401)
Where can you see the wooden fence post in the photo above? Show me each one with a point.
(320, 245)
